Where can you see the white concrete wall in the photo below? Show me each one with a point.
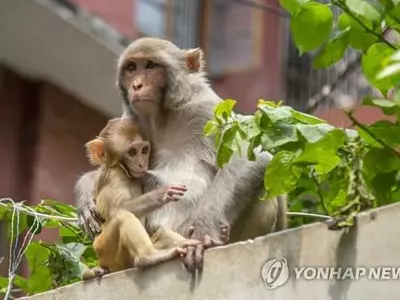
(234, 272)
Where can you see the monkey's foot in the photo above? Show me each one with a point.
(193, 260)
(210, 238)
(189, 242)
(95, 273)
(225, 233)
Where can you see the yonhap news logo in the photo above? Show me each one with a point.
(275, 272)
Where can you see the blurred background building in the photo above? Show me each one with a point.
(58, 65)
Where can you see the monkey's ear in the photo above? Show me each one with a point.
(194, 60)
(95, 151)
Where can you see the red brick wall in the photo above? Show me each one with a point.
(11, 93)
(119, 14)
(65, 126)
(42, 131)
(42, 122)
(364, 114)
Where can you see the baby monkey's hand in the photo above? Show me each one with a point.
(173, 193)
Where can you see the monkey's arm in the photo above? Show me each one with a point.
(144, 204)
(150, 201)
(233, 188)
(88, 220)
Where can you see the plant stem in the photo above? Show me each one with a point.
(371, 134)
(320, 193)
(351, 14)
(303, 214)
(44, 216)
(9, 287)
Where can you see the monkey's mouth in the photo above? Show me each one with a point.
(135, 100)
(138, 174)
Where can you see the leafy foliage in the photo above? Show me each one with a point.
(324, 170)
(51, 264)
(327, 170)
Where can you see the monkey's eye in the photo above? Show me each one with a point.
(151, 64)
(145, 150)
(132, 152)
(130, 66)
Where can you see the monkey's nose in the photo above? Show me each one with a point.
(137, 86)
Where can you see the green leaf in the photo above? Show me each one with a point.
(396, 55)
(383, 103)
(382, 186)
(224, 155)
(368, 9)
(372, 63)
(254, 143)
(283, 113)
(224, 109)
(16, 228)
(332, 51)
(40, 279)
(306, 118)
(50, 223)
(278, 135)
(379, 161)
(358, 37)
(281, 176)
(249, 125)
(34, 223)
(388, 107)
(313, 133)
(311, 26)
(76, 249)
(21, 283)
(322, 153)
(389, 71)
(391, 21)
(54, 207)
(210, 128)
(385, 130)
(270, 103)
(292, 6)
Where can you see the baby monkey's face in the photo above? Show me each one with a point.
(136, 158)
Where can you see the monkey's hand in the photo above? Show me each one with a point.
(209, 237)
(88, 219)
(173, 193)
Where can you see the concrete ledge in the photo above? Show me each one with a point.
(234, 271)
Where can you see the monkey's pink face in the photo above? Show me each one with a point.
(136, 158)
(143, 82)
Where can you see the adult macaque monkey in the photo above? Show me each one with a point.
(166, 92)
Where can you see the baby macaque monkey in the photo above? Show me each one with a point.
(124, 243)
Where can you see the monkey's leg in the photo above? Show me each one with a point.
(234, 189)
(165, 238)
(261, 218)
(133, 236)
(158, 257)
